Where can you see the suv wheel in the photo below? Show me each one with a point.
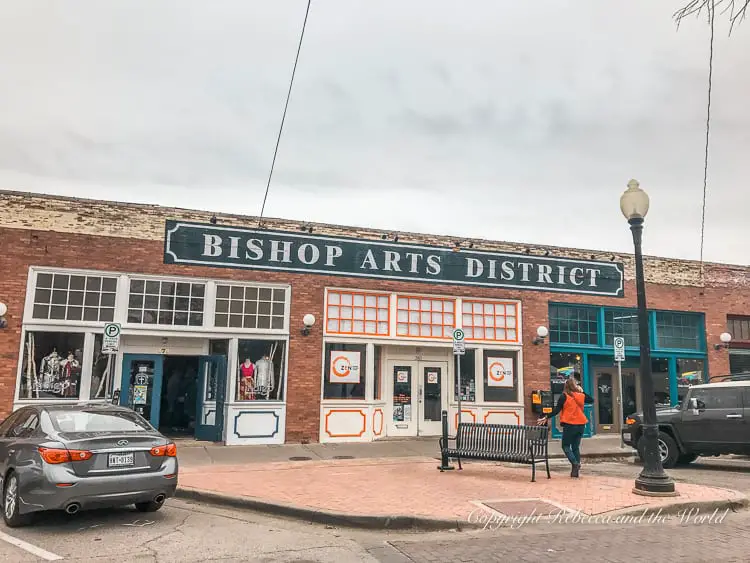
(668, 450)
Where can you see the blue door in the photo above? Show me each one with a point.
(140, 388)
(212, 378)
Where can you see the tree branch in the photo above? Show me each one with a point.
(737, 10)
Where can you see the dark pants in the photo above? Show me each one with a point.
(571, 442)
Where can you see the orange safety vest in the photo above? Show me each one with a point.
(572, 411)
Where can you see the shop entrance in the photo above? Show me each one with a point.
(420, 391)
(179, 395)
(607, 397)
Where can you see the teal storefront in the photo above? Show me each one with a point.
(581, 342)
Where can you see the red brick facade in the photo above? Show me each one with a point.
(24, 246)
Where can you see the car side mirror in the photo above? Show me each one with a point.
(693, 404)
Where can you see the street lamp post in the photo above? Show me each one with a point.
(652, 480)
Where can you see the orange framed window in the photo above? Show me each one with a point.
(493, 321)
(425, 317)
(358, 313)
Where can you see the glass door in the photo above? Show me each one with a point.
(212, 377)
(403, 382)
(432, 389)
(140, 388)
(606, 401)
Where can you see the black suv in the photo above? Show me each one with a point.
(709, 422)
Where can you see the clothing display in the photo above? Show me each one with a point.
(50, 371)
(247, 381)
(70, 369)
(264, 377)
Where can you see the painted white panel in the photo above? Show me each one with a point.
(255, 424)
(348, 423)
(209, 415)
(502, 415)
(135, 344)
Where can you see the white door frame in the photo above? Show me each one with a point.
(431, 427)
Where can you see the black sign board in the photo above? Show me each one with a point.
(260, 249)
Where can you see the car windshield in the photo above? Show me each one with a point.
(97, 421)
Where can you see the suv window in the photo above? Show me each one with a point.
(718, 398)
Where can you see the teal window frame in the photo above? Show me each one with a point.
(598, 321)
(603, 354)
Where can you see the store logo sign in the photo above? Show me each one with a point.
(255, 249)
(344, 367)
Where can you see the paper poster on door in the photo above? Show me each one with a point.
(344, 367)
(402, 377)
(140, 394)
(500, 372)
(398, 413)
(432, 377)
(407, 413)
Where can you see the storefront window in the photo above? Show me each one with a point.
(739, 361)
(621, 322)
(681, 331)
(52, 364)
(166, 302)
(500, 377)
(468, 377)
(260, 375)
(249, 307)
(562, 365)
(74, 297)
(490, 321)
(102, 371)
(344, 371)
(689, 373)
(573, 325)
(660, 378)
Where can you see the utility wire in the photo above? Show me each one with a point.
(711, 12)
(283, 115)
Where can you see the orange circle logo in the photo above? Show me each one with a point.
(497, 372)
(341, 366)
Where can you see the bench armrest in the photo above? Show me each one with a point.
(444, 445)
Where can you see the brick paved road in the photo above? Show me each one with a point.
(664, 541)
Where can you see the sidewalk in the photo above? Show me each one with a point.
(194, 454)
(411, 492)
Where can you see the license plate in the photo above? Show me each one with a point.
(121, 460)
(626, 435)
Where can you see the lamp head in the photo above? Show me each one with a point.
(634, 202)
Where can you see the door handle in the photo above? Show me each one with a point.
(734, 416)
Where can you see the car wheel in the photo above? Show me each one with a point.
(12, 503)
(668, 451)
(686, 459)
(151, 506)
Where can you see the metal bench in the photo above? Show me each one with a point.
(496, 442)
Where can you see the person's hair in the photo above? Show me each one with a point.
(570, 385)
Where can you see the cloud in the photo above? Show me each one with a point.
(512, 121)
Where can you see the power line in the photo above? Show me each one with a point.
(711, 13)
(283, 115)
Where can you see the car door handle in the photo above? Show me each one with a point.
(734, 416)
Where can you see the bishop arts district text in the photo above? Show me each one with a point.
(377, 260)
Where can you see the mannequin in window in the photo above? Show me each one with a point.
(264, 377)
(50, 370)
(70, 368)
(247, 382)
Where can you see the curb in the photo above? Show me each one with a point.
(340, 519)
(423, 523)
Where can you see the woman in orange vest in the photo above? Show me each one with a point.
(573, 421)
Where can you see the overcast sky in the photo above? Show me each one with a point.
(518, 121)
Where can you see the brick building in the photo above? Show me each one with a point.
(213, 340)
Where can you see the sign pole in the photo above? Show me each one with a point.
(622, 406)
(458, 375)
(618, 346)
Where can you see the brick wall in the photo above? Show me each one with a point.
(42, 231)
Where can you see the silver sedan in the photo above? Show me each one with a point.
(60, 457)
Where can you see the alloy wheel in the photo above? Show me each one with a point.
(663, 450)
(11, 497)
